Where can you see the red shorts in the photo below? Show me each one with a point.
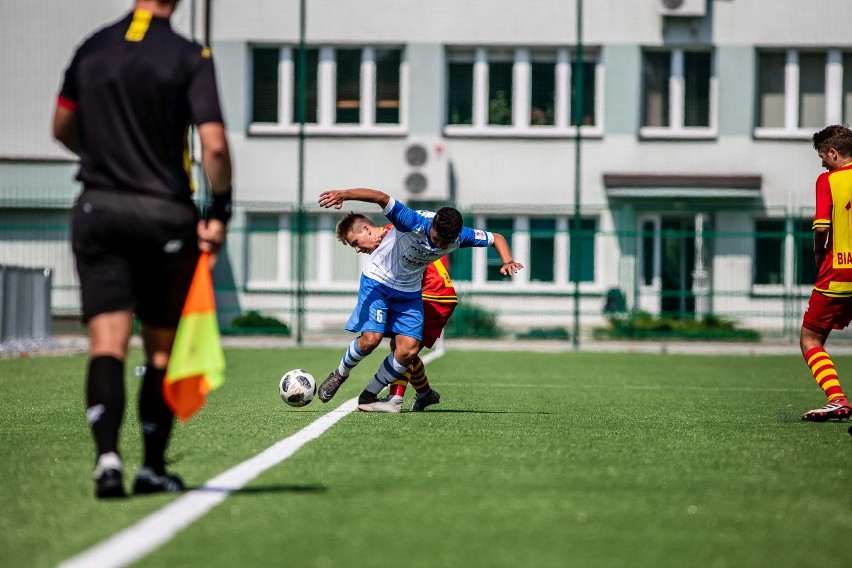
(435, 316)
(825, 313)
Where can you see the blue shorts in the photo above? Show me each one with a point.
(387, 311)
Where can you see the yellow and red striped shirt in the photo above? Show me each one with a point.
(834, 211)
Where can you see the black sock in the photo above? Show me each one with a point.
(105, 401)
(366, 397)
(156, 418)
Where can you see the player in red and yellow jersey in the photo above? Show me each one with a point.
(439, 301)
(830, 305)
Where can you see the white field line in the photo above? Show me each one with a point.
(137, 541)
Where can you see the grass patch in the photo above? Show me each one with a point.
(556, 459)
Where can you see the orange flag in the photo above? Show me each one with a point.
(197, 363)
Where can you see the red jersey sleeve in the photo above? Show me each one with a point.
(822, 216)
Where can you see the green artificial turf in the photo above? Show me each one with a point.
(572, 459)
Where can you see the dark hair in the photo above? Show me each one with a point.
(348, 223)
(448, 223)
(834, 136)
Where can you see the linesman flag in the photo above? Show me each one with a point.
(197, 363)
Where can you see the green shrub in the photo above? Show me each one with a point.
(545, 333)
(470, 320)
(254, 323)
(642, 325)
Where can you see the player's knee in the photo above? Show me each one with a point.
(368, 342)
(406, 350)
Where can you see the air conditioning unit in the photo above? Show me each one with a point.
(685, 8)
(426, 172)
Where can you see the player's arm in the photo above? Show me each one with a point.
(822, 218)
(336, 197)
(502, 247)
(216, 160)
(821, 235)
(65, 125)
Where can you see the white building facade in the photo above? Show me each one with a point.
(696, 168)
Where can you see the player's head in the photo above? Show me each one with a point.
(834, 145)
(446, 226)
(359, 232)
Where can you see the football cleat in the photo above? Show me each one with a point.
(428, 399)
(108, 477)
(329, 386)
(838, 409)
(149, 482)
(392, 405)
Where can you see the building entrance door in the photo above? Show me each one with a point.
(677, 263)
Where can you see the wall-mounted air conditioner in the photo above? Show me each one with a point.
(426, 173)
(685, 8)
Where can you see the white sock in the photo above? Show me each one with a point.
(352, 357)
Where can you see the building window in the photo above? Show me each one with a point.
(588, 112)
(800, 91)
(542, 249)
(460, 96)
(582, 248)
(771, 85)
(812, 90)
(678, 97)
(519, 92)
(697, 75)
(347, 88)
(265, 84)
(500, 93)
(543, 94)
(311, 88)
(769, 251)
(388, 63)
(806, 268)
(262, 248)
(648, 235)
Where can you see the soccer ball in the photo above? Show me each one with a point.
(297, 387)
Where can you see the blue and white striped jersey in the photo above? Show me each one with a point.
(405, 252)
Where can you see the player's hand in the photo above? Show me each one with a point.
(332, 198)
(211, 237)
(510, 268)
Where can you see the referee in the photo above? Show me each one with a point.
(128, 98)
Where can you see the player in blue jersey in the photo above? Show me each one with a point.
(390, 292)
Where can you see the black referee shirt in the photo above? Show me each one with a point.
(135, 86)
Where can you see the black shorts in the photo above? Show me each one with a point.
(134, 252)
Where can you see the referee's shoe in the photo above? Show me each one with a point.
(148, 481)
(108, 477)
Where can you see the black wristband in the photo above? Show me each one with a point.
(220, 209)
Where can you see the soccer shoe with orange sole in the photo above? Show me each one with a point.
(838, 409)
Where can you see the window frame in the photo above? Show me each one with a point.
(791, 242)
(520, 243)
(834, 95)
(522, 59)
(324, 279)
(677, 99)
(326, 93)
